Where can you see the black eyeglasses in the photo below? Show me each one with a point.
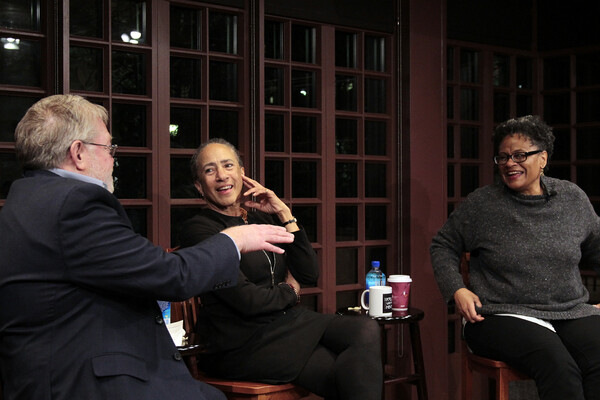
(516, 157)
(112, 148)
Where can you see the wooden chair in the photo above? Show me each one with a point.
(499, 371)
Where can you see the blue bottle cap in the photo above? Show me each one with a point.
(375, 264)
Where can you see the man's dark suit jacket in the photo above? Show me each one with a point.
(78, 290)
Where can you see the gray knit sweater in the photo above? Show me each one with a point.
(525, 250)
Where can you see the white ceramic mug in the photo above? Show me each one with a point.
(380, 301)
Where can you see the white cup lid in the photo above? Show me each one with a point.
(399, 278)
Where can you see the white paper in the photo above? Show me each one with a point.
(177, 332)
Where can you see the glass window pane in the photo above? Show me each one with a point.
(469, 104)
(377, 254)
(562, 146)
(347, 299)
(557, 108)
(450, 63)
(274, 86)
(375, 222)
(556, 73)
(223, 31)
(20, 14)
(224, 124)
(223, 81)
(587, 69)
(346, 88)
(375, 180)
(346, 179)
(185, 127)
(501, 76)
(12, 109)
(303, 89)
(524, 104)
(186, 78)
(375, 95)
(524, 73)
(139, 219)
(346, 131)
(129, 72)
(587, 179)
(10, 171)
(588, 143)
(346, 223)
(307, 217)
(130, 173)
(20, 62)
(469, 142)
(86, 21)
(129, 124)
(275, 177)
(304, 179)
(304, 43)
(186, 28)
(375, 53)
(501, 106)
(588, 104)
(375, 138)
(450, 180)
(346, 266)
(560, 172)
(274, 132)
(86, 69)
(450, 141)
(450, 102)
(304, 134)
(469, 179)
(273, 40)
(345, 49)
(128, 19)
(469, 66)
(178, 216)
(182, 185)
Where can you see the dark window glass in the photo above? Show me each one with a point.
(346, 179)
(9, 172)
(450, 102)
(304, 134)
(303, 89)
(274, 86)
(182, 185)
(587, 179)
(375, 180)
(588, 104)
(557, 108)
(346, 223)
(375, 95)
(346, 266)
(186, 78)
(20, 62)
(450, 180)
(556, 73)
(224, 124)
(345, 49)
(562, 145)
(524, 73)
(186, 28)
(560, 172)
(375, 53)
(275, 177)
(346, 131)
(450, 63)
(130, 173)
(223, 31)
(304, 40)
(524, 105)
(377, 254)
(139, 220)
(20, 14)
(129, 20)
(346, 89)
(273, 40)
(450, 141)
(347, 299)
(185, 127)
(86, 69)
(588, 143)
(469, 66)
(274, 132)
(129, 124)
(223, 81)
(129, 72)
(501, 75)
(375, 222)
(469, 142)
(86, 21)
(307, 217)
(588, 66)
(501, 106)
(178, 216)
(469, 179)
(304, 179)
(469, 104)
(12, 109)
(375, 138)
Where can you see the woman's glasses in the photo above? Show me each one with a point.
(516, 157)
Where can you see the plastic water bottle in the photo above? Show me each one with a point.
(375, 277)
(165, 307)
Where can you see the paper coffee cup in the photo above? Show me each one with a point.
(400, 291)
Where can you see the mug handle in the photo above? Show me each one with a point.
(362, 299)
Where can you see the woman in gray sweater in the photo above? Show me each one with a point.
(528, 235)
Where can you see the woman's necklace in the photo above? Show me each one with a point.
(271, 263)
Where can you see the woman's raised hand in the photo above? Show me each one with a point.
(266, 199)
